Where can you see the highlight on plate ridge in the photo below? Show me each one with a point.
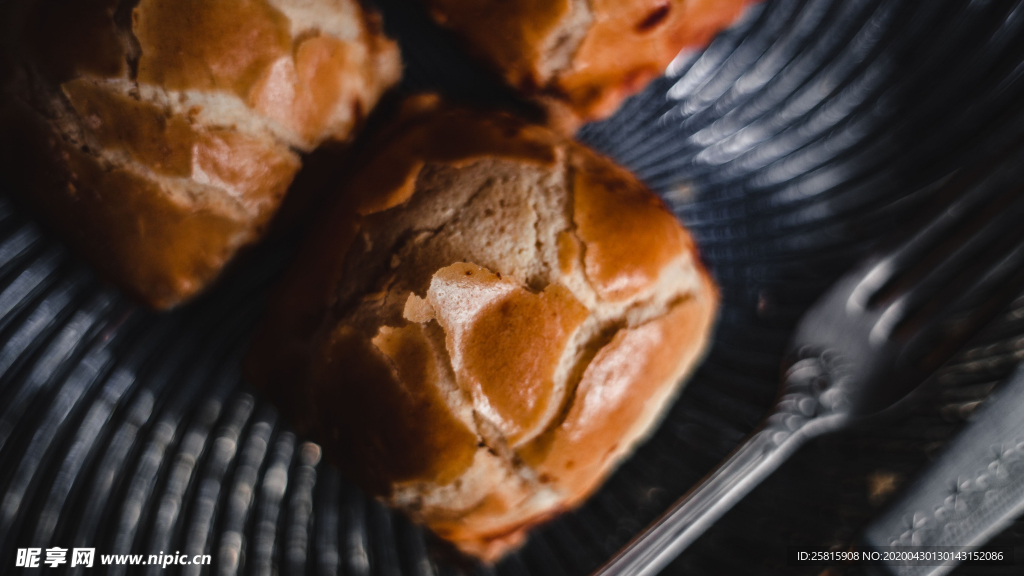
(500, 287)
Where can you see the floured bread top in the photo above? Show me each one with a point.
(583, 57)
(166, 110)
(505, 319)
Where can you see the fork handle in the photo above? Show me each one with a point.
(969, 494)
(802, 413)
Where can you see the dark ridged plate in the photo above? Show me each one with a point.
(790, 147)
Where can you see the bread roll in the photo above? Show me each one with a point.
(487, 326)
(582, 58)
(160, 136)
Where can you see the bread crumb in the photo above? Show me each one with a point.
(417, 310)
(880, 485)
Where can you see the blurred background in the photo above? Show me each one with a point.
(791, 146)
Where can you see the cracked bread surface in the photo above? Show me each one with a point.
(485, 325)
(160, 136)
(582, 58)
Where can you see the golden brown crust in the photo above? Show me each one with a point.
(196, 44)
(183, 120)
(622, 384)
(609, 54)
(605, 71)
(300, 82)
(505, 342)
(254, 172)
(629, 235)
(528, 377)
(475, 533)
(119, 220)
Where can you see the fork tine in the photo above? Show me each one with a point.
(880, 280)
(958, 255)
(991, 290)
(963, 193)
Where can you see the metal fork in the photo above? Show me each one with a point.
(873, 338)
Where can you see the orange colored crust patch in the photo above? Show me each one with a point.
(505, 343)
(197, 44)
(255, 173)
(121, 222)
(303, 91)
(476, 531)
(622, 388)
(631, 43)
(200, 45)
(126, 224)
(628, 234)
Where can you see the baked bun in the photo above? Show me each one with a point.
(582, 58)
(160, 136)
(487, 326)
